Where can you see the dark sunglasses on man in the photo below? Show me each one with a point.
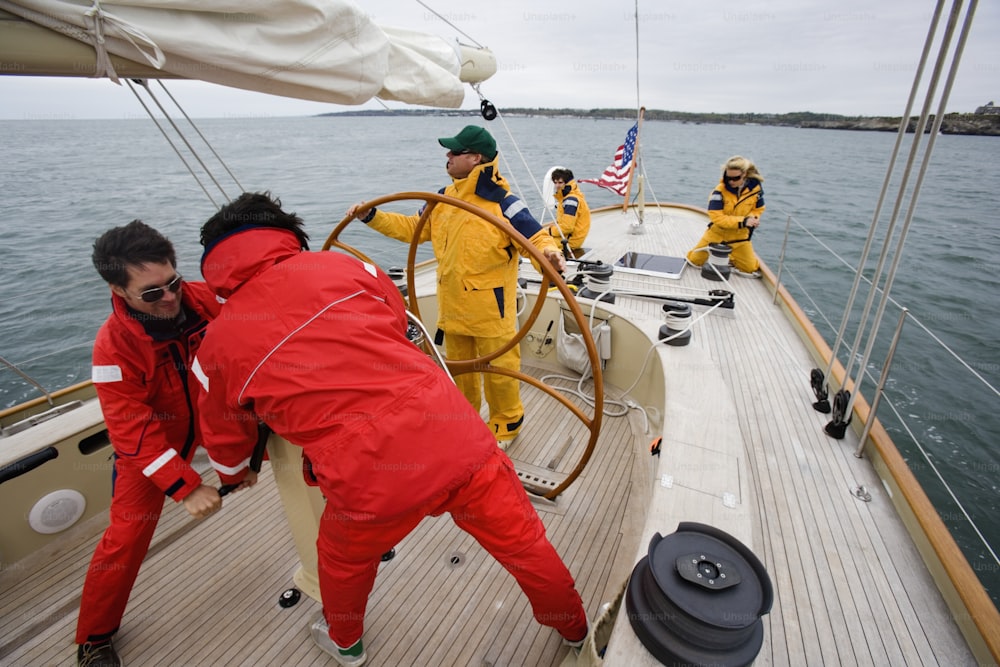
(154, 294)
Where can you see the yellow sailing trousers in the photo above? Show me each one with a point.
(742, 257)
(503, 394)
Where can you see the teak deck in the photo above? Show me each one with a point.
(742, 449)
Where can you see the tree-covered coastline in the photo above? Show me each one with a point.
(983, 124)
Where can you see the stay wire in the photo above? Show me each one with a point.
(924, 163)
(170, 141)
(866, 249)
(455, 27)
(207, 143)
(524, 162)
(191, 149)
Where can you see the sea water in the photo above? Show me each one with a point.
(66, 181)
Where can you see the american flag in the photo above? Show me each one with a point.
(616, 176)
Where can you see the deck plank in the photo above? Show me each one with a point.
(849, 586)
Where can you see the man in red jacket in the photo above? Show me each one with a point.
(141, 372)
(314, 344)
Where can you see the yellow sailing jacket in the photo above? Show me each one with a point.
(477, 262)
(573, 216)
(728, 209)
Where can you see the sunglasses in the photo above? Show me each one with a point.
(733, 178)
(464, 151)
(154, 294)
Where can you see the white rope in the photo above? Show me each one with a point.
(101, 22)
(627, 404)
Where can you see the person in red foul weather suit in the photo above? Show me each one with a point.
(141, 360)
(327, 365)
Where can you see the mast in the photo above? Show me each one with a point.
(636, 156)
(640, 198)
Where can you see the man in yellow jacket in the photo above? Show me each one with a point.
(477, 270)
(734, 211)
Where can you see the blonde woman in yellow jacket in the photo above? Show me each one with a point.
(734, 211)
(477, 270)
(572, 211)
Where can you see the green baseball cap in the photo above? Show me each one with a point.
(472, 139)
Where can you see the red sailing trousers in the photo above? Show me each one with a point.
(492, 507)
(136, 504)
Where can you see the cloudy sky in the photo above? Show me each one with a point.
(845, 57)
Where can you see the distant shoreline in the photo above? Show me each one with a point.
(953, 123)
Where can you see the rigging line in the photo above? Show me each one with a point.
(524, 162)
(53, 353)
(638, 99)
(647, 183)
(901, 133)
(170, 141)
(911, 159)
(194, 153)
(4, 364)
(811, 300)
(953, 353)
(424, 5)
(937, 473)
(909, 315)
(925, 162)
(834, 253)
(201, 136)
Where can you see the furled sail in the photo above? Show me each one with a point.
(320, 50)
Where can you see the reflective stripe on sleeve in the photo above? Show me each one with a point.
(160, 461)
(199, 373)
(229, 470)
(106, 374)
(513, 208)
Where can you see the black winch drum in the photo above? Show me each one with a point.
(598, 283)
(697, 598)
(677, 316)
(717, 266)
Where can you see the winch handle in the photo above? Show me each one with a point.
(256, 459)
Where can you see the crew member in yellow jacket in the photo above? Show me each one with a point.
(572, 211)
(734, 211)
(477, 270)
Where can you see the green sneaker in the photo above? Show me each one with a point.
(352, 656)
(102, 654)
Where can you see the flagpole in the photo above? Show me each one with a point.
(635, 159)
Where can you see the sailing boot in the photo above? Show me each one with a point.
(101, 654)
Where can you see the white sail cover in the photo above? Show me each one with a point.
(321, 50)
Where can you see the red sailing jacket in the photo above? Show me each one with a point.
(148, 395)
(314, 344)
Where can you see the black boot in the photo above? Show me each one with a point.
(102, 654)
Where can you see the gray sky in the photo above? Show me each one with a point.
(845, 57)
